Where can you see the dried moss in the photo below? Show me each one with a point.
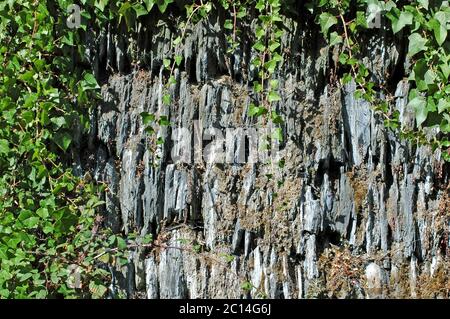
(436, 285)
(359, 185)
(342, 271)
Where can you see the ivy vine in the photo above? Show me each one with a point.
(426, 24)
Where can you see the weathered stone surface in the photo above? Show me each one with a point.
(346, 178)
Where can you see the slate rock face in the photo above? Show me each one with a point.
(353, 194)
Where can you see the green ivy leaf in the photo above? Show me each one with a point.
(166, 99)
(122, 261)
(228, 24)
(416, 44)
(172, 80)
(406, 18)
(439, 27)
(242, 13)
(256, 62)
(270, 66)
(48, 229)
(177, 40)
(163, 121)
(430, 77)
(343, 58)
(149, 4)
(63, 140)
(124, 8)
(68, 38)
(98, 290)
(257, 87)
(42, 212)
(259, 46)
(58, 121)
(445, 68)
(147, 118)
(362, 19)
(277, 57)
(419, 105)
(254, 110)
(139, 9)
(28, 117)
(126, 12)
(260, 32)
(101, 4)
(273, 45)
(147, 239)
(326, 21)
(274, 84)
(443, 105)
(89, 82)
(4, 146)
(347, 77)
(121, 243)
(260, 5)
(31, 222)
(276, 118)
(273, 97)
(166, 63)
(162, 4)
(445, 126)
(278, 134)
(178, 59)
(335, 38)
(424, 3)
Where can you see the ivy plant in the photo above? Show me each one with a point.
(50, 218)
